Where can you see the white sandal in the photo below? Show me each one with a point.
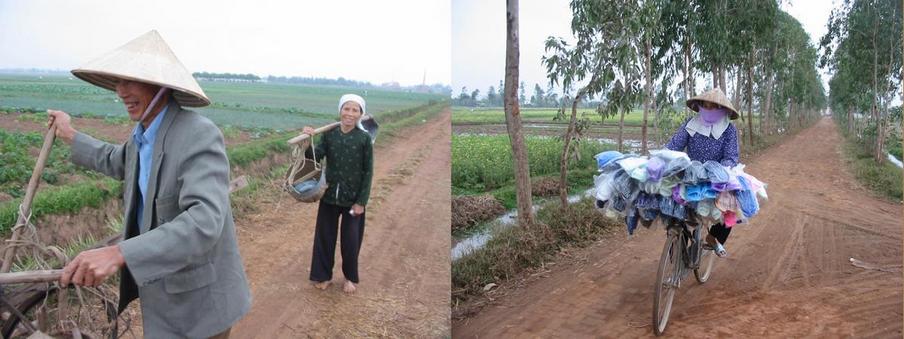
(719, 250)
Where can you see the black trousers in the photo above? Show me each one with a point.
(720, 232)
(352, 233)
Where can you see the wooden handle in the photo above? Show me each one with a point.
(30, 191)
(30, 277)
(303, 137)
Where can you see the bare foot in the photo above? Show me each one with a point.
(349, 287)
(710, 240)
(322, 285)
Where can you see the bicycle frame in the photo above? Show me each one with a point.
(683, 253)
(690, 236)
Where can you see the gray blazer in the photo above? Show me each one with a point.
(184, 262)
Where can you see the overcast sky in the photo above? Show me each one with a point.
(478, 37)
(376, 41)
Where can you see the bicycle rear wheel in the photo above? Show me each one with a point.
(667, 278)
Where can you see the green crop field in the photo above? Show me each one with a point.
(484, 162)
(254, 118)
(265, 105)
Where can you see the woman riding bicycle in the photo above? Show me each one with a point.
(710, 136)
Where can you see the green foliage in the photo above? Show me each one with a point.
(17, 152)
(17, 162)
(863, 48)
(247, 153)
(683, 39)
(61, 200)
(37, 117)
(230, 131)
(884, 179)
(484, 163)
(894, 144)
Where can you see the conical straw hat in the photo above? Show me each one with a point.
(715, 96)
(146, 59)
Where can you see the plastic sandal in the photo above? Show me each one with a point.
(719, 250)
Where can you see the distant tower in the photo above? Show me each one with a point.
(424, 81)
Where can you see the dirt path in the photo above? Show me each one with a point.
(404, 260)
(788, 275)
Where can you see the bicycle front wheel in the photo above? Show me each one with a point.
(667, 278)
(707, 261)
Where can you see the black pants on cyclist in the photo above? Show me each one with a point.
(720, 232)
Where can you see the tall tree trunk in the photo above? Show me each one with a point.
(689, 63)
(569, 136)
(563, 160)
(688, 74)
(621, 129)
(722, 83)
(788, 125)
(762, 122)
(648, 93)
(850, 124)
(767, 110)
(875, 108)
(513, 116)
(750, 100)
(716, 78)
(737, 90)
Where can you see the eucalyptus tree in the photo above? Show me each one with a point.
(863, 49)
(602, 61)
(513, 116)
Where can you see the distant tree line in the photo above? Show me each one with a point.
(226, 76)
(434, 88)
(343, 82)
(493, 97)
(321, 81)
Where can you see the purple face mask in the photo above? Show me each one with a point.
(711, 116)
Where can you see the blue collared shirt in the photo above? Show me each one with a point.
(144, 139)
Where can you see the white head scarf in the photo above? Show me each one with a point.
(358, 100)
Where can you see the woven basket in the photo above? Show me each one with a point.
(304, 169)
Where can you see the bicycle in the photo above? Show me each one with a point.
(683, 251)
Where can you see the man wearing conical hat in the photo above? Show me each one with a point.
(179, 253)
(710, 136)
